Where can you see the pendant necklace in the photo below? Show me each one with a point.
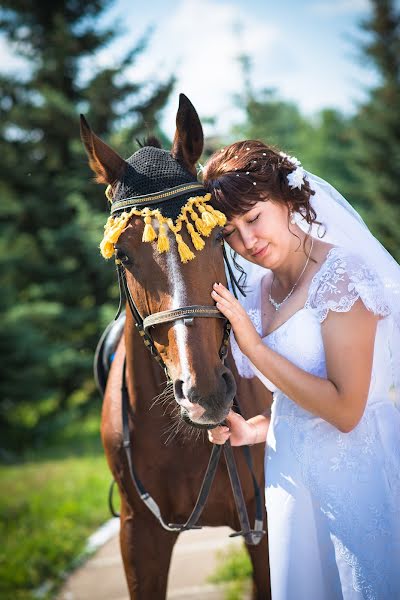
(277, 305)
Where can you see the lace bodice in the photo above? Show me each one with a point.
(342, 279)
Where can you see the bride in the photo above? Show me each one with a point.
(320, 326)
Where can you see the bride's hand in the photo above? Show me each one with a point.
(238, 431)
(244, 330)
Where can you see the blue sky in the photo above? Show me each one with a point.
(305, 49)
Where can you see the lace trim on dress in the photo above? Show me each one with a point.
(342, 280)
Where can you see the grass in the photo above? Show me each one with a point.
(50, 503)
(234, 569)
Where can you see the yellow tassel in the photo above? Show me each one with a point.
(219, 216)
(200, 225)
(106, 249)
(149, 234)
(207, 217)
(184, 251)
(198, 242)
(163, 241)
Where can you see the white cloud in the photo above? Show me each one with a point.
(200, 44)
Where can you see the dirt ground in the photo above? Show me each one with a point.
(193, 560)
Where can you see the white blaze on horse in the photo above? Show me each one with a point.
(164, 235)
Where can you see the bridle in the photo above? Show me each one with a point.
(185, 313)
(143, 326)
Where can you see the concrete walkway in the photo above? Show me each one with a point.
(194, 559)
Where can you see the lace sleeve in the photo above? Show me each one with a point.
(343, 279)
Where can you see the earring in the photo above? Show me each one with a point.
(292, 218)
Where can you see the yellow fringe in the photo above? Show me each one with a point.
(149, 235)
(184, 251)
(198, 242)
(217, 214)
(204, 225)
(209, 220)
(163, 241)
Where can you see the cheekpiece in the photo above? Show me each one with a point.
(163, 207)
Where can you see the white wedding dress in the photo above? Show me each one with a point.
(332, 498)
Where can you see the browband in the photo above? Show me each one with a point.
(155, 198)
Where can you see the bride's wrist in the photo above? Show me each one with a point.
(253, 434)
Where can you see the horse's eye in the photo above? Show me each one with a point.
(120, 255)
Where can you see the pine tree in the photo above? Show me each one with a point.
(378, 125)
(57, 292)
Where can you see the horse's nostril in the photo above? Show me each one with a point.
(178, 389)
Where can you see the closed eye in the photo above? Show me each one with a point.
(226, 234)
(253, 220)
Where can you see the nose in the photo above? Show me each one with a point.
(206, 403)
(248, 239)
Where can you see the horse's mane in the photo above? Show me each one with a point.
(151, 140)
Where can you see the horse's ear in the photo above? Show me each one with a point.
(106, 164)
(188, 140)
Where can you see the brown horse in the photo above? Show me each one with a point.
(202, 387)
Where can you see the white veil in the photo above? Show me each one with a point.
(343, 227)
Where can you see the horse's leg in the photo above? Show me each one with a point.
(146, 550)
(261, 579)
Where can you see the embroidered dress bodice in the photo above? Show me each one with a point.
(332, 498)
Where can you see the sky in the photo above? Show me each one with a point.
(305, 49)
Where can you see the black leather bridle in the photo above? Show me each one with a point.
(143, 325)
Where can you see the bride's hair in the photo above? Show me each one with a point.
(246, 172)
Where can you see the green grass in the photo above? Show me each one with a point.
(234, 569)
(50, 503)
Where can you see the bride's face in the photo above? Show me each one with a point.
(261, 235)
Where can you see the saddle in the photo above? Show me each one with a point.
(105, 351)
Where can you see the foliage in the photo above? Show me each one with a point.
(234, 568)
(377, 124)
(58, 294)
(50, 508)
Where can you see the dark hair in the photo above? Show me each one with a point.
(246, 172)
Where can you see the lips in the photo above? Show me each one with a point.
(259, 252)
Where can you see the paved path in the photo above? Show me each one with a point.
(193, 560)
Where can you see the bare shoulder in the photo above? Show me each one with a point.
(350, 331)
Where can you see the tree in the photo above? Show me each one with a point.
(57, 291)
(378, 125)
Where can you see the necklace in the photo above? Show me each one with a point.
(277, 305)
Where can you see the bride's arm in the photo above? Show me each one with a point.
(348, 338)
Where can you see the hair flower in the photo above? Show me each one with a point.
(292, 159)
(296, 178)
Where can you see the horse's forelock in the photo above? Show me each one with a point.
(151, 140)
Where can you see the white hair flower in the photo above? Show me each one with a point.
(292, 159)
(296, 178)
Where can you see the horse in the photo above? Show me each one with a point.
(165, 422)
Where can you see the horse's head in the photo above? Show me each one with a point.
(155, 198)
